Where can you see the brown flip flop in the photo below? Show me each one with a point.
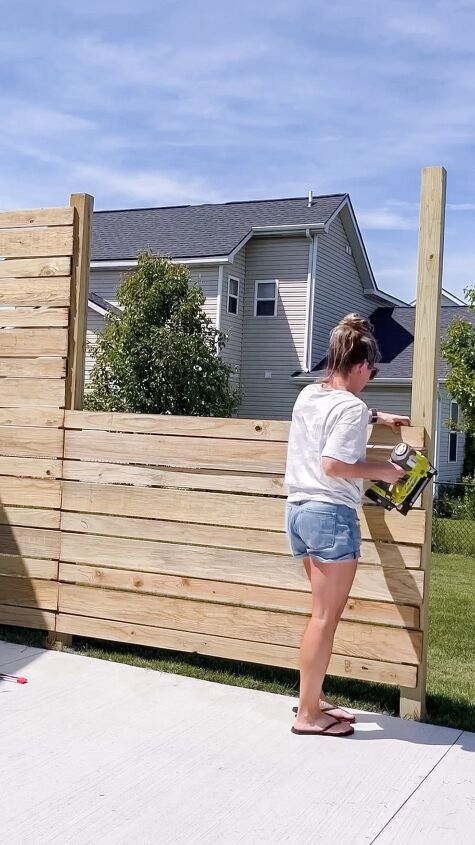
(324, 731)
(348, 718)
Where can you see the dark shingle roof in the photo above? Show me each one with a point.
(394, 331)
(104, 304)
(193, 231)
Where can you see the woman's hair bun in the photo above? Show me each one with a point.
(355, 322)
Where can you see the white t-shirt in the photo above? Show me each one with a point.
(325, 423)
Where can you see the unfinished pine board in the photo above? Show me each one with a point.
(164, 450)
(30, 467)
(30, 492)
(215, 427)
(32, 391)
(28, 567)
(31, 517)
(387, 554)
(26, 592)
(30, 442)
(382, 435)
(46, 290)
(38, 416)
(279, 628)
(36, 217)
(376, 583)
(33, 367)
(100, 473)
(33, 342)
(27, 617)
(30, 268)
(233, 649)
(227, 592)
(30, 542)
(265, 513)
(34, 317)
(31, 242)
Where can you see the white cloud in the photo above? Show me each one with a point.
(385, 219)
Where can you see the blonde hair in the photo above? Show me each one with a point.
(351, 342)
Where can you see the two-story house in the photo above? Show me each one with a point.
(277, 276)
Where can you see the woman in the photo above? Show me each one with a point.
(326, 465)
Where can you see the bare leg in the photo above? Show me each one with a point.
(331, 584)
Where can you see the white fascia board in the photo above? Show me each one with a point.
(132, 262)
(291, 229)
(97, 308)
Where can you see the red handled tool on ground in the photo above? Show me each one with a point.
(17, 679)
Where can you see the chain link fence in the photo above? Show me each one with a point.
(453, 526)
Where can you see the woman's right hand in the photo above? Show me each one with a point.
(391, 473)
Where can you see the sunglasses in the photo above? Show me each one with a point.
(373, 372)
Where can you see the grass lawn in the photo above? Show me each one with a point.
(451, 669)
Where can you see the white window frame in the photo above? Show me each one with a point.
(453, 434)
(236, 297)
(266, 298)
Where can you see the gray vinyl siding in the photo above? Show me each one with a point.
(448, 471)
(95, 324)
(394, 400)
(273, 344)
(338, 288)
(232, 324)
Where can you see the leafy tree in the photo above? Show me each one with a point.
(458, 350)
(160, 355)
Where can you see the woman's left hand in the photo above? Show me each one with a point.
(394, 421)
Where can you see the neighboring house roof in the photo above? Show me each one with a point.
(394, 331)
(454, 300)
(216, 232)
(101, 305)
(193, 231)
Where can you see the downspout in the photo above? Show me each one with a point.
(219, 300)
(312, 303)
(306, 341)
(437, 432)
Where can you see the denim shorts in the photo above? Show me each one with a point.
(322, 530)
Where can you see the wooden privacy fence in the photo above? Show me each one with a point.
(169, 531)
(172, 535)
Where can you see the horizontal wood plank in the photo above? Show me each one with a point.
(26, 592)
(164, 450)
(44, 291)
(37, 217)
(29, 542)
(284, 656)
(31, 268)
(30, 492)
(28, 567)
(30, 442)
(229, 592)
(353, 638)
(386, 554)
(38, 417)
(382, 435)
(27, 392)
(34, 317)
(215, 427)
(27, 617)
(30, 467)
(33, 342)
(266, 513)
(100, 473)
(32, 517)
(33, 367)
(31, 242)
(375, 583)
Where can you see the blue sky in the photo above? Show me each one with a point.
(170, 102)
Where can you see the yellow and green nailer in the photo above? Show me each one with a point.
(402, 494)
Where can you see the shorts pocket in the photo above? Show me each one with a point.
(316, 528)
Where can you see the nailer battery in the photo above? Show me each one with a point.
(403, 494)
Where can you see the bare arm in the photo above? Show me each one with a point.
(383, 471)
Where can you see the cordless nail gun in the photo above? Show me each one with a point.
(403, 494)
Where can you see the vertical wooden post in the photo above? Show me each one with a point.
(424, 382)
(82, 225)
(83, 206)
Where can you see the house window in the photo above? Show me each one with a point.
(233, 295)
(453, 436)
(265, 298)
